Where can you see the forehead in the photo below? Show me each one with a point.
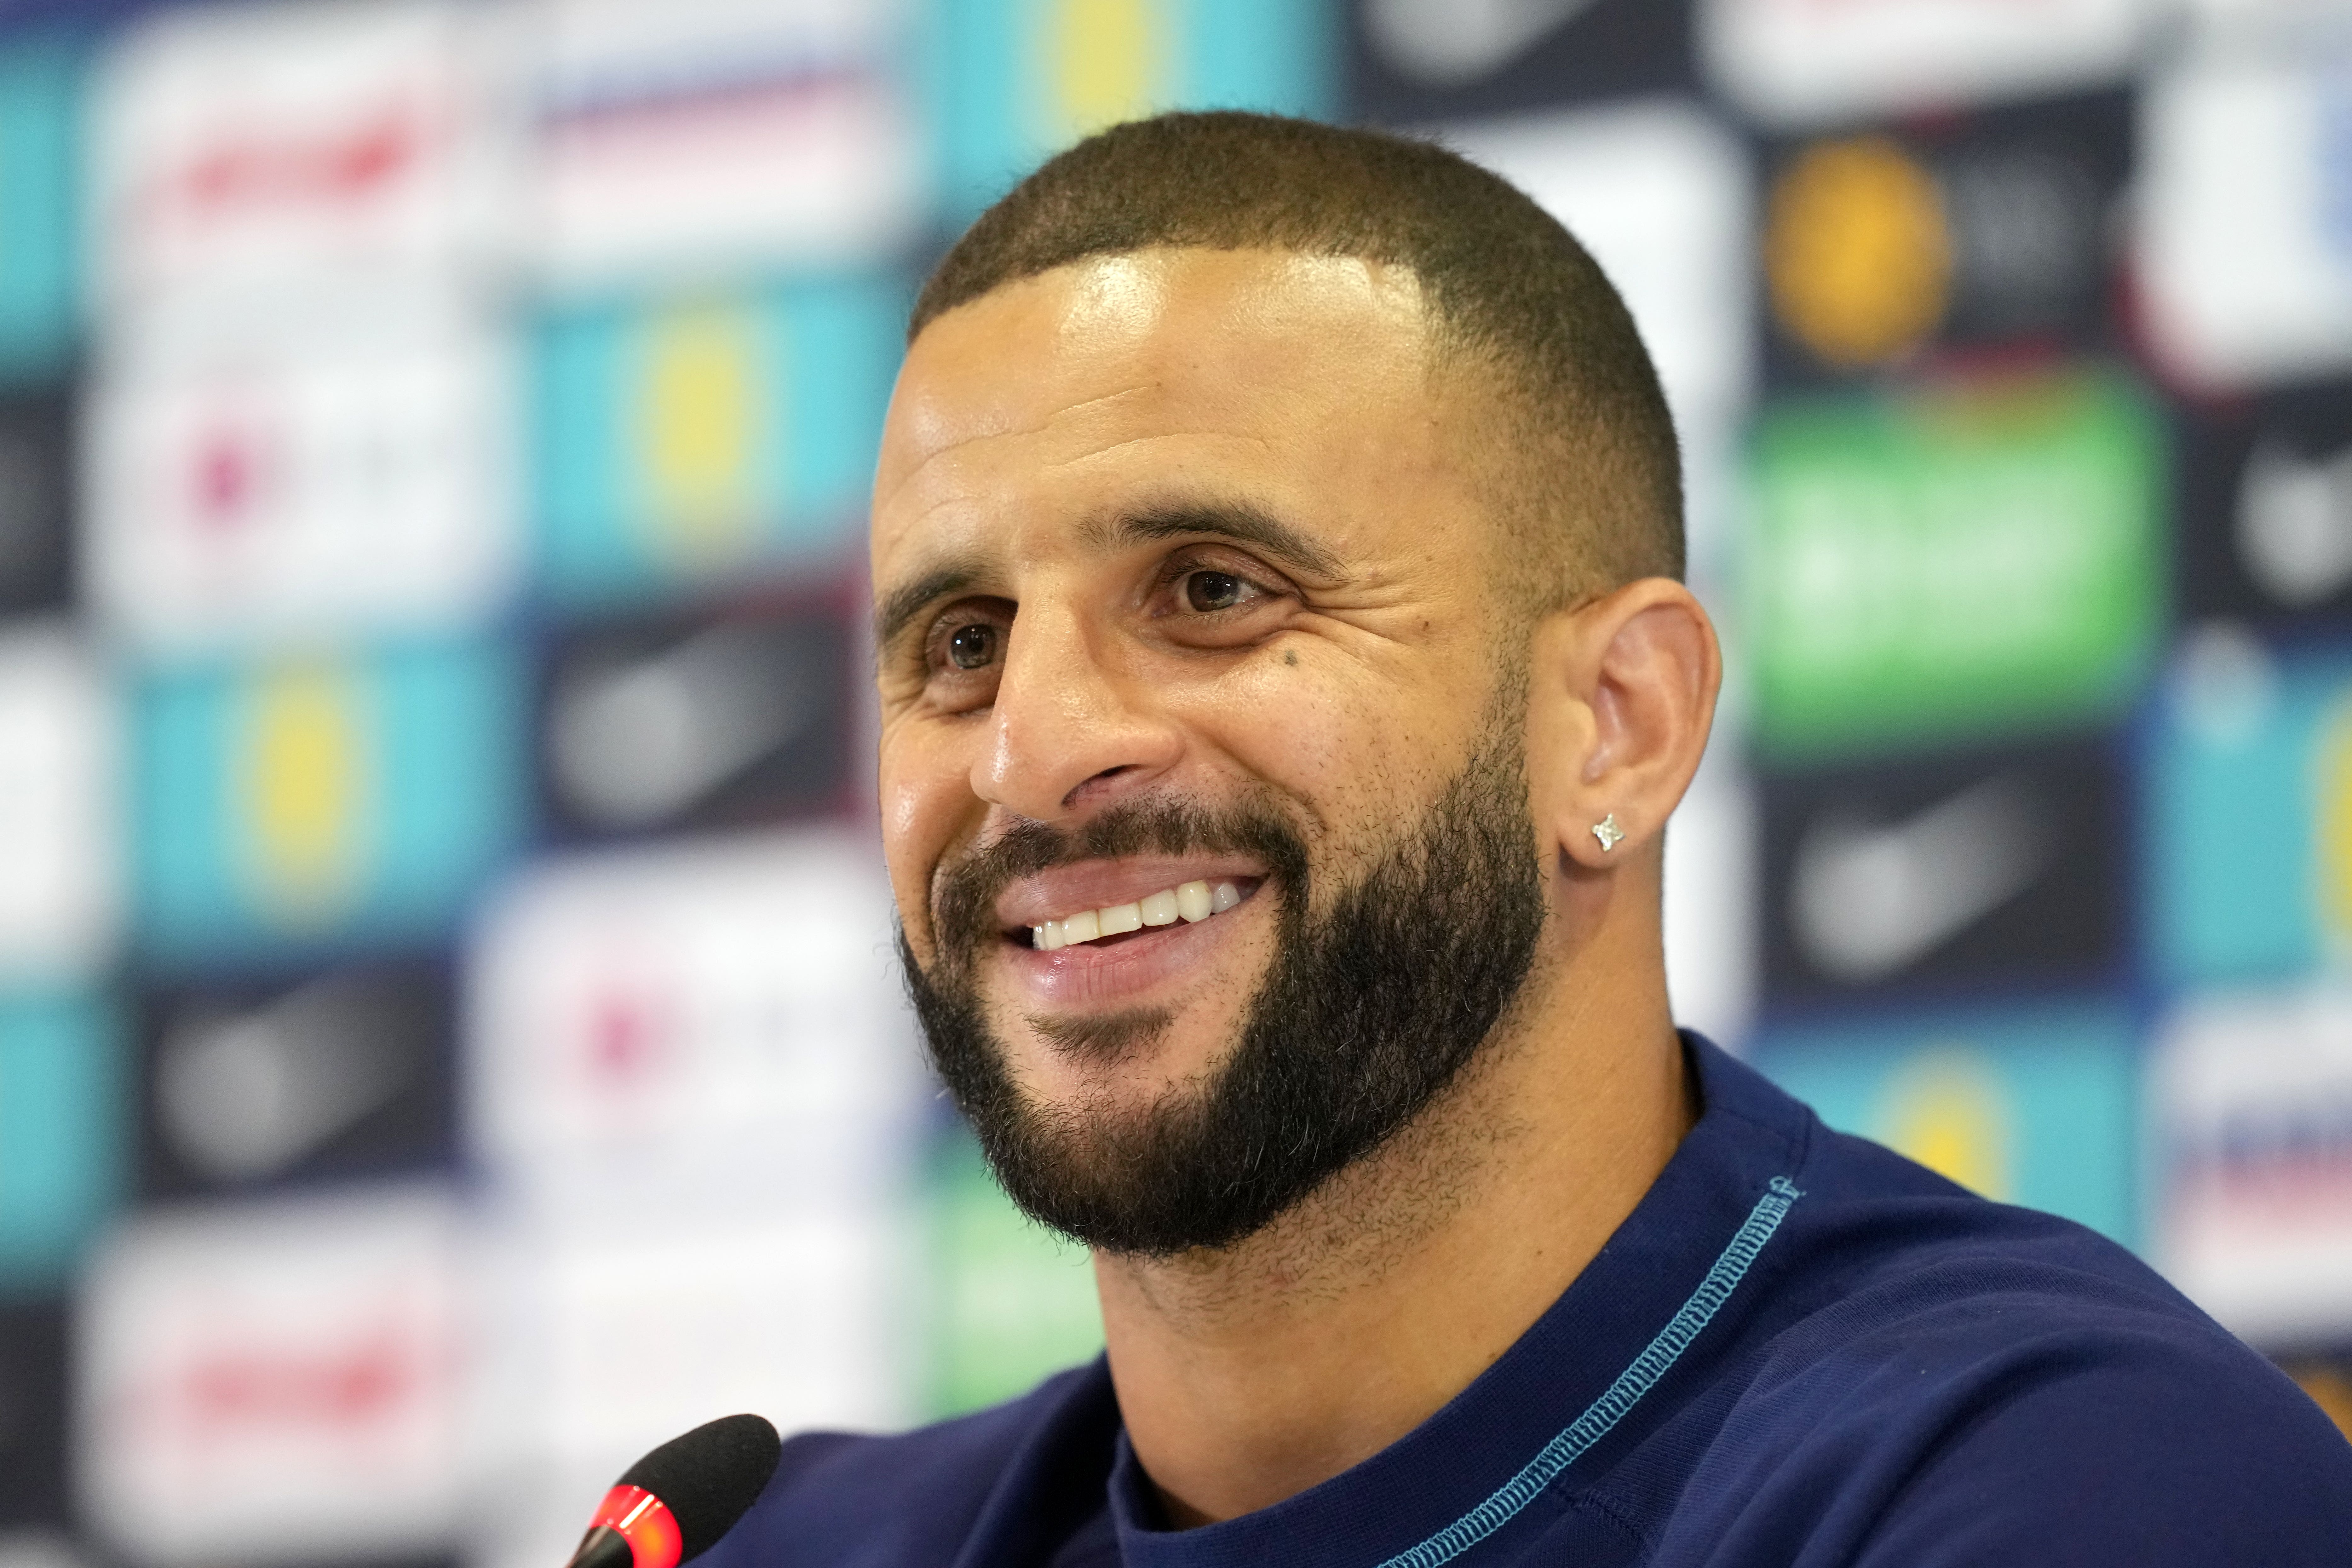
(1266, 373)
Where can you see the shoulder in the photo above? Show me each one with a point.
(1930, 1378)
(842, 1501)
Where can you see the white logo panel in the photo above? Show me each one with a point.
(2250, 1103)
(243, 148)
(1805, 61)
(713, 1015)
(2245, 230)
(715, 135)
(247, 484)
(276, 1382)
(58, 825)
(607, 1339)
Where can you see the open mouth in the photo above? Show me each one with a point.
(1187, 903)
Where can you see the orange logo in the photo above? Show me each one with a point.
(1857, 254)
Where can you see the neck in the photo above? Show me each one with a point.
(1248, 1374)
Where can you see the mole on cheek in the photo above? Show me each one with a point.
(1289, 656)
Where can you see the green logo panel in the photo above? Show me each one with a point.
(1954, 563)
(1012, 1302)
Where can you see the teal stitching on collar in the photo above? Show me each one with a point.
(1619, 1397)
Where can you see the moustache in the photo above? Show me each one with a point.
(965, 894)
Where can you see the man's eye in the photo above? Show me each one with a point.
(1208, 591)
(973, 647)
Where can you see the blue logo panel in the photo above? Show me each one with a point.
(64, 1132)
(2032, 1105)
(692, 441)
(1017, 80)
(2249, 821)
(324, 802)
(41, 241)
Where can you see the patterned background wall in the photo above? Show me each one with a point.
(447, 1034)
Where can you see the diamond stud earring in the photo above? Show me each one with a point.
(1608, 832)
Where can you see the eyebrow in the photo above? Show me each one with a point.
(1236, 520)
(907, 601)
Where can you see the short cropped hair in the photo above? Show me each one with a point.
(1590, 481)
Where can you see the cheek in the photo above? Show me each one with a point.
(922, 799)
(1352, 746)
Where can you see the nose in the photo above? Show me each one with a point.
(1071, 730)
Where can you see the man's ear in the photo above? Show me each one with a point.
(1622, 696)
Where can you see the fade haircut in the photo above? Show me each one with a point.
(1587, 482)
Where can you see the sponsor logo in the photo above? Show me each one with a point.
(291, 483)
(1953, 561)
(238, 152)
(348, 163)
(1985, 229)
(718, 138)
(2252, 1111)
(2245, 253)
(700, 416)
(1871, 899)
(1981, 870)
(1100, 58)
(1439, 44)
(687, 443)
(302, 779)
(2266, 506)
(1857, 252)
(310, 801)
(273, 1383)
(1790, 62)
(2294, 522)
(669, 724)
(1949, 1109)
(633, 1030)
(345, 1071)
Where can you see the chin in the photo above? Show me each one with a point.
(1099, 1056)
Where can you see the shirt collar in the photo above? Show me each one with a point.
(1617, 1331)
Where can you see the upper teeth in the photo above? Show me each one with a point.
(1190, 901)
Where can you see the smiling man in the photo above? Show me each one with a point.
(1285, 684)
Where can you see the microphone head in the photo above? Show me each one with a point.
(709, 1478)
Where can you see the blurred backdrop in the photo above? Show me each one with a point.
(448, 1039)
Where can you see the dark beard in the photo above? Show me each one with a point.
(1369, 1012)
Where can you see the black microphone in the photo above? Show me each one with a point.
(677, 1502)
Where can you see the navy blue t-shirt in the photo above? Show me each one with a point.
(1799, 1348)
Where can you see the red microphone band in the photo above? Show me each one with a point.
(644, 1520)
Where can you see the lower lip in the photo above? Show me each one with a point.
(1094, 975)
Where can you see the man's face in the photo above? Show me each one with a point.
(1183, 586)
